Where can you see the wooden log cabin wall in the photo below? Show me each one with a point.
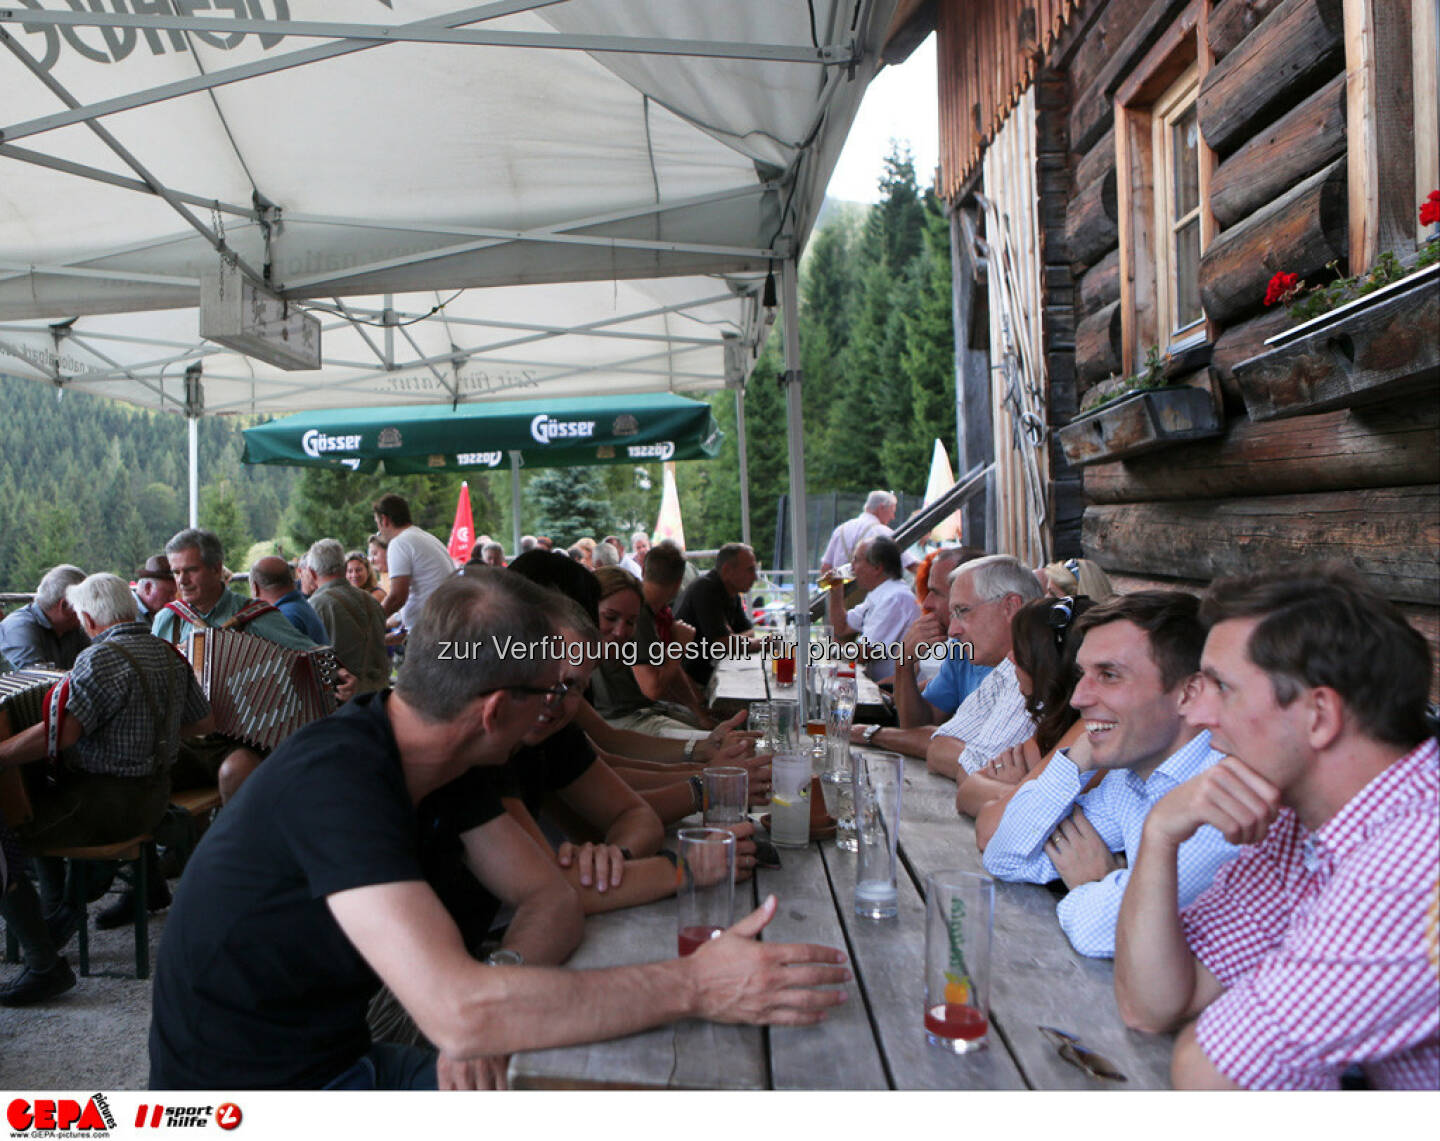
(1310, 126)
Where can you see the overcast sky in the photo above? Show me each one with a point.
(900, 104)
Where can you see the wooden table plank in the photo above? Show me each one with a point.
(889, 956)
(841, 1052)
(1039, 979)
(685, 1055)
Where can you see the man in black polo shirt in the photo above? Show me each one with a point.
(308, 892)
(713, 606)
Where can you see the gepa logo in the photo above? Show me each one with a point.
(315, 443)
(63, 1115)
(544, 429)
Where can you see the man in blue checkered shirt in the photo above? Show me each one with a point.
(114, 725)
(1138, 666)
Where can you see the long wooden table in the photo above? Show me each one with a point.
(875, 1040)
(737, 682)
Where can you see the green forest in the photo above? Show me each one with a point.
(104, 485)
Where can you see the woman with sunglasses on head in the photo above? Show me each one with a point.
(361, 575)
(1045, 670)
(1073, 578)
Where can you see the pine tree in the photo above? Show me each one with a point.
(566, 504)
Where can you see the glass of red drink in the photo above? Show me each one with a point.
(705, 897)
(959, 910)
(785, 665)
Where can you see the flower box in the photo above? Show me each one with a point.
(1141, 422)
(1372, 348)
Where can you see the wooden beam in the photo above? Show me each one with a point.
(1390, 535)
(1301, 43)
(1381, 148)
(1425, 59)
(1233, 20)
(1281, 154)
(1388, 445)
(1300, 233)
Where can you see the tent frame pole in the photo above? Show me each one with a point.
(744, 465)
(515, 501)
(795, 440)
(193, 425)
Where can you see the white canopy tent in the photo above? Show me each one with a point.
(561, 161)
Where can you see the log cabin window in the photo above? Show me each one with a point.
(1162, 185)
(1175, 148)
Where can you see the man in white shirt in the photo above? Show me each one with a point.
(418, 561)
(984, 596)
(887, 611)
(872, 523)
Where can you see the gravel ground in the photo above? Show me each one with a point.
(94, 1036)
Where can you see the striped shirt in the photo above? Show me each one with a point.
(1116, 808)
(1325, 942)
(990, 720)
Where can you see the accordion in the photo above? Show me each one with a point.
(22, 704)
(261, 692)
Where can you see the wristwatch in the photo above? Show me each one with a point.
(869, 732)
(505, 957)
(690, 748)
(697, 792)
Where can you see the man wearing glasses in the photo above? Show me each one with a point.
(1137, 662)
(1315, 949)
(985, 595)
(308, 893)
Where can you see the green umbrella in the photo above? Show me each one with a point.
(414, 439)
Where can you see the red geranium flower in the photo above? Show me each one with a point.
(1430, 209)
(1281, 286)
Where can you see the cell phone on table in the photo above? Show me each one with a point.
(766, 855)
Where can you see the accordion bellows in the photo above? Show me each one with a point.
(261, 692)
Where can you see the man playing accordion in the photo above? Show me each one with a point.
(112, 728)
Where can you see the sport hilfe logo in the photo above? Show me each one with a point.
(227, 1115)
(60, 1115)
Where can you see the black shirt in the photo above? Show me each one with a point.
(448, 813)
(256, 986)
(716, 614)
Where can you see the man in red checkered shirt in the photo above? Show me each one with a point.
(1314, 950)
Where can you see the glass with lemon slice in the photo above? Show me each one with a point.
(790, 799)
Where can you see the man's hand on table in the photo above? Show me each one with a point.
(1078, 852)
(727, 742)
(602, 866)
(737, 979)
(744, 833)
(473, 1073)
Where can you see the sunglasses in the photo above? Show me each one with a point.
(553, 694)
(1068, 1047)
(1059, 616)
(1073, 566)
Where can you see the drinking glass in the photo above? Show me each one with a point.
(785, 726)
(877, 781)
(790, 799)
(836, 781)
(706, 897)
(959, 910)
(726, 794)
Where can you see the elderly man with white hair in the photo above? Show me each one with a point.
(46, 631)
(872, 523)
(354, 621)
(984, 596)
(114, 725)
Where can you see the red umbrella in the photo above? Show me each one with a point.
(462, 532)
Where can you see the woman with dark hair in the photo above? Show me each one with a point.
(1044, 649)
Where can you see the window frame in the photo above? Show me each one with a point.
(1182, 47)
